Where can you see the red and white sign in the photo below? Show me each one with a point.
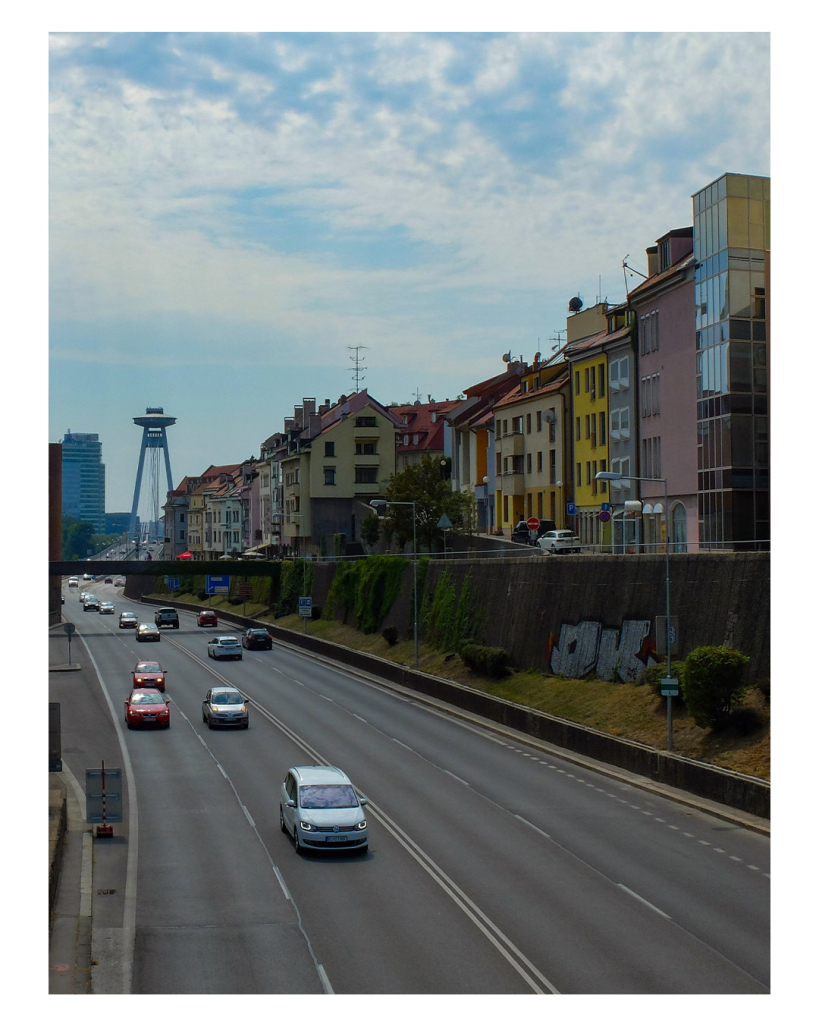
(533, 523)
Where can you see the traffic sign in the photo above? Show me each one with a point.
(172, 582)
(533, 523)
(306, 607)
(571, 508)
(669, 687)
(217, 584)
(605, 506)
(604, 516)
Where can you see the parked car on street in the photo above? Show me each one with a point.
(224, 705)
(523, 535)
(257, 640)
(224, 647)
(148, 673)
(207, 617)
(558, 542)
(320, 809)
(127, 620)
(148, 632)
(147, 707)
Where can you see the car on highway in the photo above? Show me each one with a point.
(319, 808)
(166, 617)
(91, 603)
(558, 542)
(223, 705)
(109, 579)
(148, 673)
(147, 707)
(119, 582)
(127, 620)
(73, 581)
(224, 647)
(257, 640)
(106, 607)
(87, 576)
(207, 617)
(147, 632)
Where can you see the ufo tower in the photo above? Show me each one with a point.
(153, 424)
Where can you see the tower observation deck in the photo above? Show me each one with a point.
(154, 424)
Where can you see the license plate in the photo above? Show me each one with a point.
(336, 839)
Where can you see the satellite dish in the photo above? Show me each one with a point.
(507, 356)
(575, 304)
(537, 357)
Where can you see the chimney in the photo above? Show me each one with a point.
(653, 255)
(309, 406)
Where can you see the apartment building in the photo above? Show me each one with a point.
(424, 431)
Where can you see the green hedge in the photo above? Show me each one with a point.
(489, 661)
(367, 589)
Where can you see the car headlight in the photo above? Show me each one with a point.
(306, 826)
(362, 824)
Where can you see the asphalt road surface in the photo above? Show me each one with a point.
(494, 866)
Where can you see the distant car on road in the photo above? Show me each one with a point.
(523, 535)
(207, 617)
(558, 542)
(148, 673)
(91, 603)
(225, 706)
(320, 809)
(257, 640)
(147, 632)
(106, 607)
(73, 581)
(119, 582)
(147, 707)
(127, 620)
(87, 576)
(109, 579)
(167, 617)
(224, 647)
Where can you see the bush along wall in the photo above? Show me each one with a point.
(292, 581)
(364, 591)
(450, 618)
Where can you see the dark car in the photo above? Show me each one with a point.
(92, 604)
(523, 535)
(166, 617)
(109, 579)
(207, 617)
(257, 640)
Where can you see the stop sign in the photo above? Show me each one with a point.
(533, 523)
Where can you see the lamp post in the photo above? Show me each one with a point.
(380, 504)
(603, 475)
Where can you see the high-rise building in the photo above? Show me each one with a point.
(84, 479)
(732, 249)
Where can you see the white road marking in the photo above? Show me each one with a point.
(640, 898)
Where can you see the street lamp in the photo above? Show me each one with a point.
(380, 504)
(604, 475)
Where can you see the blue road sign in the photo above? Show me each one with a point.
(605, 506)
(217, 584)
(571, 508)
(172, 582)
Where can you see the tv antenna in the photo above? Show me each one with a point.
(358, 373)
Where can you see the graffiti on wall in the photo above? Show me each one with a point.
(589, 648)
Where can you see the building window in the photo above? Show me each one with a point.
(497, 429)
(540, 462)
(539, 421)
(528, 423)
(579, 477)
(577, 382)
(529, 462)
(601, 380)
(553, 426)
(368, 447)
(577, 429)
(366, 474)
(552, 466)
(365, 421)
(602, 431)
(329, 449)
(329, 476)
(517, 425)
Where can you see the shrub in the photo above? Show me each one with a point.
(489, 661)
(713, 683)
(743, 721)
(202, 594)
(390, 634)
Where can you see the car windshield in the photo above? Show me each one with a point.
(327, 796)
(148, 666)
(233, 697)
(228, 643)
(147, 698)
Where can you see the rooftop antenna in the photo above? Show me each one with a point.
(358, 374)
(633, 271)
(558, 339)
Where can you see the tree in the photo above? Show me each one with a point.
(370, 530)
(424, 484)
(713, 683)
(77, 536)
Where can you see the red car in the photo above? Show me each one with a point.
(207, 618)
(149, 673)
(148, 707)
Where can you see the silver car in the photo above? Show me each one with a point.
(558, 542)
(106, 608)
(320, 809)
(225, 706)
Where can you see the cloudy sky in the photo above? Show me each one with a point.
(231, 214)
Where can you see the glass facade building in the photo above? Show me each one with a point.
(84, 479)
(732, 249)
